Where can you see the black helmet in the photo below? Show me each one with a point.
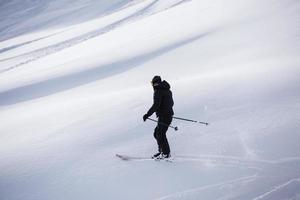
(156, 80)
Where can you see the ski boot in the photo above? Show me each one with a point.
(155, 156)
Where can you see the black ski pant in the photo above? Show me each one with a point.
(160, 134)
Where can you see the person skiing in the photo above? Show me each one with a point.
(163, 107)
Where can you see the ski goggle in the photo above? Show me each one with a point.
(154, 83)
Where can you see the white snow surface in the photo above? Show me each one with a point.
(75, 83)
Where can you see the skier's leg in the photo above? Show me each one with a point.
(164, 141)
(164, 144)
(156, 136)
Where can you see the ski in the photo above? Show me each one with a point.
(137, 158)
(128, 158)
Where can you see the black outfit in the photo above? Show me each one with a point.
(163, 107)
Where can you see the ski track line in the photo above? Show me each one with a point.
(40, 53)
(25, 43)
(224, 161)
(231, 161)
(19, 44)
(277, 188)
(43, 52)
(180, 195)
(227, 161)
(67, 41)
(238, 159)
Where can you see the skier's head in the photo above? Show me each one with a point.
(156, 81)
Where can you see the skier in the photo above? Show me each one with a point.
(163, 107)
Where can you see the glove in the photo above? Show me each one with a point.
(145, 117)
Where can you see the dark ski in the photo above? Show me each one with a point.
(128, 158)
(137, 158)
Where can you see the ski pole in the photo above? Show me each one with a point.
(175, 128)
(190, 120)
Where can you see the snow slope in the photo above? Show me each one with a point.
(74, 85)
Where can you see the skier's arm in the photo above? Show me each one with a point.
(156, 102)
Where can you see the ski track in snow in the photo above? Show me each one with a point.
(189, 194)
(40, 53)
(271, 195)
(25, 43)
(193, 194)
(236, 162)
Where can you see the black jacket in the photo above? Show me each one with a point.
(162, 100)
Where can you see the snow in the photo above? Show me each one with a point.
(75, 83)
